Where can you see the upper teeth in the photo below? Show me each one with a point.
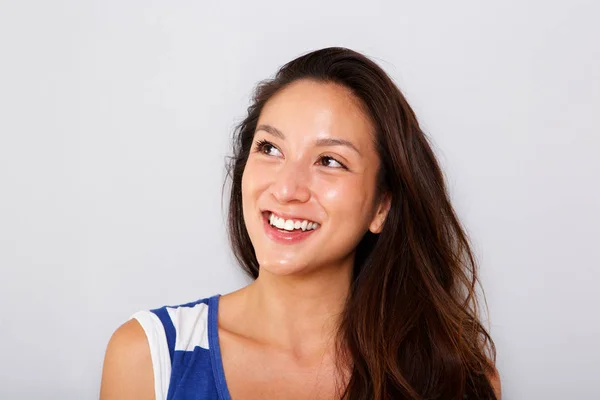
(290, 224)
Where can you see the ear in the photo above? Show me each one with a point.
(383, 209)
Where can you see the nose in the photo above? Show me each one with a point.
(291, 183)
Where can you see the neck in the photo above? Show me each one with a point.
(297, 313)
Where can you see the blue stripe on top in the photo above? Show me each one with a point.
(213, 342)
(193, 340)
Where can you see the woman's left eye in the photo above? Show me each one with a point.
(331, 159)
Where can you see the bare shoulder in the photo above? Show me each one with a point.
(127, 371)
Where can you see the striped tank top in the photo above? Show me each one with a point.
(184, 347)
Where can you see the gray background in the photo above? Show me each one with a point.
(116, 117)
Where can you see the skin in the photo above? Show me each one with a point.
(127, 371)
(284, 321)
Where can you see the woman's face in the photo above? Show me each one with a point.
(312, 158)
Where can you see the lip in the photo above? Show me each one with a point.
(284, 237)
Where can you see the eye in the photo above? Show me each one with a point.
(327, 162)
(264, 147)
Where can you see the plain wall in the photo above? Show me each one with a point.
(116, 117)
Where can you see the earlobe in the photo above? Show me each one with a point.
(381, 215)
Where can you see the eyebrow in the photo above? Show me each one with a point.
(322, 142)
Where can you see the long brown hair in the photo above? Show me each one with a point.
(410, 326)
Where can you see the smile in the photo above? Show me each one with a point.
(287, 231)
(291, 224)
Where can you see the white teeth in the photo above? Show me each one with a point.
(290, 225)
(279, 222)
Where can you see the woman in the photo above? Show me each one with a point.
(364, 281)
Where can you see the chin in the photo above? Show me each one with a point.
(283, 267)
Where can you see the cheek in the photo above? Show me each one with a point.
(246, 186)
(346, 198)
(254, 179)
(251, 175)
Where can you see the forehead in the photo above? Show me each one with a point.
(313, 109)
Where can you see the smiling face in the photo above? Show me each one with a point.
(312, 158)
